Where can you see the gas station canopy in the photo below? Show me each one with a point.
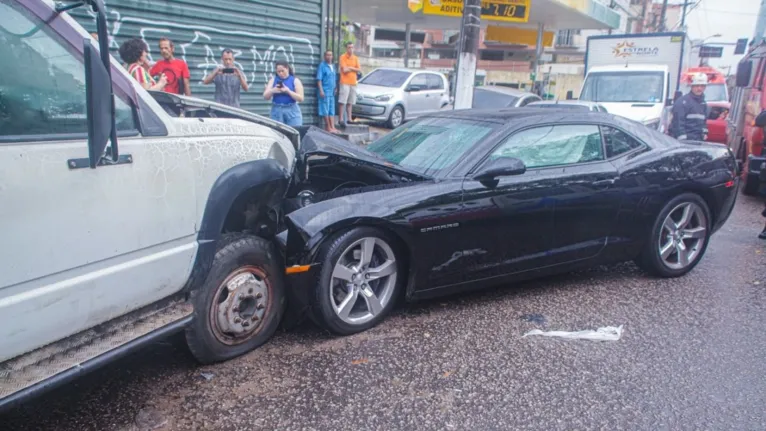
(553, 14)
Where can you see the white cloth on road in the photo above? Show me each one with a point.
(607, 333)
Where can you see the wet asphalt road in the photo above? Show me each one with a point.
(691, 357)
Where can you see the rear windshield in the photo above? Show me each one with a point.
(487, 99)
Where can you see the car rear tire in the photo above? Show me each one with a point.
(241, 303)
(396, 118)
(679, 237)
(359, 283)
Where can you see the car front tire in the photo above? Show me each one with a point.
(360, 280)
(396, 118)
(679, 237)
(241, 303)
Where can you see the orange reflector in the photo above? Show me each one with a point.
(729, 184)
(297, 269)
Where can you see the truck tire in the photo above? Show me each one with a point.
(241, 303)
(750, 185)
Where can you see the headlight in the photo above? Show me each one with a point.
(384, 98)
(653, 124)
(306, 198)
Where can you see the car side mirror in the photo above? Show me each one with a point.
(412, 88)
(501, 167)
(98, 93)
(744, 70)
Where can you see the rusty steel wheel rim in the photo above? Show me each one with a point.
(240, 304)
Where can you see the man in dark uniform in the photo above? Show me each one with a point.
(690, 112)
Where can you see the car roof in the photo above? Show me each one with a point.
(507, 115)
(505, 90)
(631, 67)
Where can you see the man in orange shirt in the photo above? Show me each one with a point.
(349, 67)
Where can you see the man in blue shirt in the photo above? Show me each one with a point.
(326, 83)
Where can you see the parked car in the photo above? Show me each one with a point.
(497, 97)
(569, 104)
(397, 95)
(503, 195)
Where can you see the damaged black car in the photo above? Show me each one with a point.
(462, 200)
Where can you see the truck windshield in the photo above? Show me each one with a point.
(635, 87)
(713, 92)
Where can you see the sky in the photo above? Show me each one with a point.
(733, 19)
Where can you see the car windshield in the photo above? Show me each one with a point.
(431, 145)
(713, 92)
(386, 78)
(635, 87)
(488, 99)
(560, 105)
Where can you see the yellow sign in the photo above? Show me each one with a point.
(517, 36)
(493, 10)
(415, 5)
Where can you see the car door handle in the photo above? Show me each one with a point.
(604, 183)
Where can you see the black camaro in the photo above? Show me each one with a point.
(460, 200)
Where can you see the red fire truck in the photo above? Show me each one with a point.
(748, 100)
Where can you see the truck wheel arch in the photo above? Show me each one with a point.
(265, 180)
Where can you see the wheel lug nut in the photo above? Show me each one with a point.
(245, 323)
(258, 295)
(255, 318)
(260, 306)
(367, 276)
(237, 320)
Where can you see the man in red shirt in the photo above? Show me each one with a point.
(176, 71)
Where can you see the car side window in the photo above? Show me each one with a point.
(618, 142)
(550, 146)
(420, 80)
(44, 94)
(435, 82)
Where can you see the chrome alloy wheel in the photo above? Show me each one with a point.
(683, 235)
(363, 280)
(242, 301)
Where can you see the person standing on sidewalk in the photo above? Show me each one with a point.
(326, 84)
(689, 120)
(349, 67)
(228, 79)
(285, 91)
(176, 71)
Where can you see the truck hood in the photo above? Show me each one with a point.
(641, 112)
(177, 106)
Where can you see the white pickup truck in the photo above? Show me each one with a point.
(107, 247)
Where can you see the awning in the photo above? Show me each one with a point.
(554, 14)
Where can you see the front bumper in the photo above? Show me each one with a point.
(371, 110)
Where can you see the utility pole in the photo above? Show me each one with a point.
(467, 58)
(662, 14)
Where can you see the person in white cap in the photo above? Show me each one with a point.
(690, 112)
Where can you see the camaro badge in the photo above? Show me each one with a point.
(439, 227)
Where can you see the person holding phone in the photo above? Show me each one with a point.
(133, 53)
(285, 92)
(228, 79)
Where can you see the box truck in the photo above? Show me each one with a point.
(635, 75)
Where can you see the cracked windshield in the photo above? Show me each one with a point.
(395, 215)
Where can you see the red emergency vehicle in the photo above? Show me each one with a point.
(748, 100)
